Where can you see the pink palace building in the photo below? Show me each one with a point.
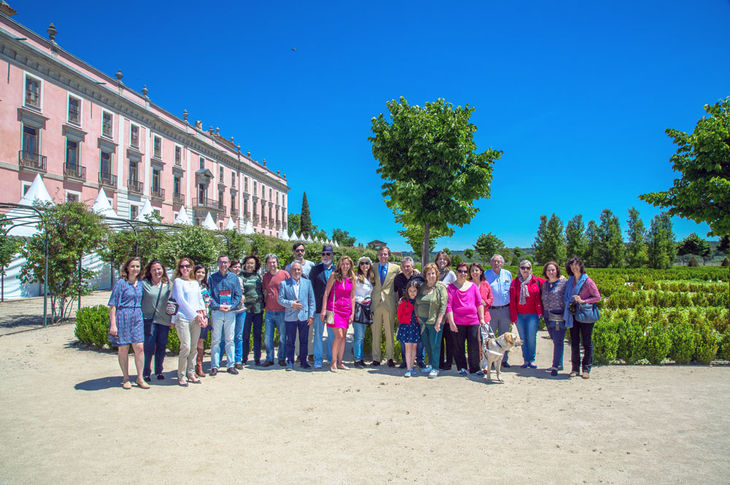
(84, 131)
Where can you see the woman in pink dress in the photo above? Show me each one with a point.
(339, 302)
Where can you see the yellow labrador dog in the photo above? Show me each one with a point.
(493, 350)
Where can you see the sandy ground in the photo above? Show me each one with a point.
(65, 419)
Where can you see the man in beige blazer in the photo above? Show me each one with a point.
(384, 301)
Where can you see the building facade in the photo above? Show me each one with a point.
(83, 130)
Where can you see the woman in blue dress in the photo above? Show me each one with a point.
(126, 325)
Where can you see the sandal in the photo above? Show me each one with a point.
(343, 367)
(574, 374)
(142, 384)
(193, 379)
(182, 382)
(126, 384)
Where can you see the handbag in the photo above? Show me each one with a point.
(586, 313)
(329, 317)
(363, 313)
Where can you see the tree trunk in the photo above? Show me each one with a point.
(425, 249)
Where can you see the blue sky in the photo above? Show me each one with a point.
(577, 94)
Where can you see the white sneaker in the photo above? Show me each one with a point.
(427, 369)
(433, 373)
(407, 374)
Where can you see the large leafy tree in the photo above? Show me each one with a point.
(592, 254)
(72, 232)
(194, 242)
(432, 173)
(637, 254)
(575, 240)
(549, 242)
(702, 190)
(488, 245)
(414, 237)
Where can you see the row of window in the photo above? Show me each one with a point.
(33, 100)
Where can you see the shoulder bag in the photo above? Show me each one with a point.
(363, 313)
(586, 312)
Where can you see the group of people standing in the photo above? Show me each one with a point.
(442, 315)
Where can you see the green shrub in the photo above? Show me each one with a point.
(683, 343)
(706, 344)
(605, 342)
(725, 262)
(658, 344)
(723, 352)
(92, 326)
(173, 341)
(632, 342)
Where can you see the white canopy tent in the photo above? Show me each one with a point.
(182, 218)
(209, 223)
(103, 206)
(146, 211)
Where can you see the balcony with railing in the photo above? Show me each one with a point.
(31, 161)
(264, 220)
(135, 186)
(74, 172)
(106, 178)
(158, 193)
(255, 218)
(178, 199)
(234, 212)
(206, 203)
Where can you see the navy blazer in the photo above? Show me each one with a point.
(306, 298)
(319, 282)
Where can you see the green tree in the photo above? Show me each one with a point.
(9, 245)
(592, 256)
(549, 242)
(414, 237)
(194, 242)
(294, 223)
(575, 239)
(694, 245)
(431, 172)
(662, 249)
(469, 254)
(637, 255)
(342, 237)
(72, 232)
(611, 241)
(702, 190)
(234, 244)
(516, 256)
(488, 245)
(146, 243)
(306, 218)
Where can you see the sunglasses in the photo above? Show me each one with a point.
(184, 266)
(364, 263)
(462, 271)
(299, 250)
(326, 254)
(525, 267)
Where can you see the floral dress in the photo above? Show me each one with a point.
(127, 298)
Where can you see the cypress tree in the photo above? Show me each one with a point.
(305, 226)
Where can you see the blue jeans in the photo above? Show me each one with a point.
(557, 334)
(224, 324)
(238, 337)
(358, 340)
(432, 338)
(291, 335)
(527, 327)
(318, 346)
(155, 343)
(274, 320)
(257, 319)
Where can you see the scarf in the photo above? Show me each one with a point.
(524, 290)
(572, 288)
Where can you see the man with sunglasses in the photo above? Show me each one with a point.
(307, 265)
(500, 280)
(319, 275)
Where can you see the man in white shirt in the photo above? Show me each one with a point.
(500, 280)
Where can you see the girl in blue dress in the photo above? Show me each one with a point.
(126, 325)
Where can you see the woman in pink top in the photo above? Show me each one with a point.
(579, 289)
(339, 298)
(465, 313)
